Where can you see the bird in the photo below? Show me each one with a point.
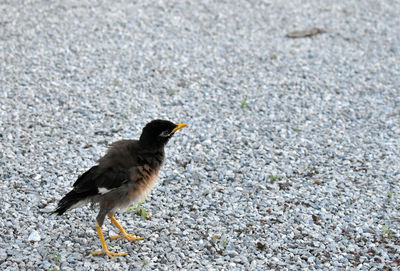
(125, 174)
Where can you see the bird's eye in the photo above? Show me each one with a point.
(165, 134)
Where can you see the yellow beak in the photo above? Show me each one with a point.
(178, 126)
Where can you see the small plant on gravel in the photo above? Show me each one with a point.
(55, 257)
(244, 101)
(116, 82)
(140, 210)
(387, 231)
(224, 243)
(274, 178)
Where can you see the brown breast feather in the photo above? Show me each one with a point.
(143, 181)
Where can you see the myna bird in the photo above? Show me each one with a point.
(124, 175)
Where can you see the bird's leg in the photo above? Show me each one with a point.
(103, 244)
(130, 237)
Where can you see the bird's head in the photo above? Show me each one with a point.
(157, 133)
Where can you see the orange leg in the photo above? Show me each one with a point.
(130, 237)
(103, 244)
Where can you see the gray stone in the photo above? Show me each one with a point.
(34, 236)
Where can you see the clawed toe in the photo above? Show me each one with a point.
(109, 253)
(130, 237)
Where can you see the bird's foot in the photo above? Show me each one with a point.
(130, 237)
(109, 253)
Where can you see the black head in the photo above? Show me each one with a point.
(157, 133)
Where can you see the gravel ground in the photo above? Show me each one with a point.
(291, 160)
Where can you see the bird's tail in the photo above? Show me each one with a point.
(69, 201)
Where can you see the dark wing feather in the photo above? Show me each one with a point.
(86, 178)
(97, 176)
(113, 177)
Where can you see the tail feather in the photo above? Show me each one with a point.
(84, 190)
(69, 200)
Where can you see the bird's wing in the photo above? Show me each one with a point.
(122, 163)
(113, 169)
(122, 154)
(100, 180)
